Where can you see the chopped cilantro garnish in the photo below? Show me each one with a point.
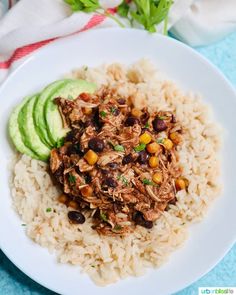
(117, 227)
(146, 125)
(140, 147)
(60, 142)
(103, 114)
(123, 9)
(160, 140)
(48, 209)
(119, 148)
(148, 182)
(72, 178)
(113, 110)
(23, 224)
(85, 68)
(162, 117)
(123, 179)
(70, 97)
(103, 216)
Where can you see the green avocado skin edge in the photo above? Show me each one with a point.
(38, 114)
(15, 133)
(28, 130)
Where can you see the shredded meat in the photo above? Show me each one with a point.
(103, 167)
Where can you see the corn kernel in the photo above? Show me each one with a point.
(87, 111)
(180, 184)
(153, 162)
(168, 144)
(175, 137)
(86, 191)
(157, 177)
(63, 198)
(145, 138)
(136, 112)
(73, 204)
(91, 157)
(153, 148)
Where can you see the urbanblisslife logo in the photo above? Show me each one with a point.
(217, 290)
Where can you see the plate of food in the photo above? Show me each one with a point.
(117, 164)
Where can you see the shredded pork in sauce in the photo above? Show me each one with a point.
(117, 162)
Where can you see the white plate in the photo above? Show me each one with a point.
(209, 240)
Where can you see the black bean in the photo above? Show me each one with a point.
(59, 174)
(87, 178)
(159, 125)
(104, 171)
(96, 120)
(116, 112)
(127, 159)
(70, 136)
(173, 119)
(96, 144)
(130, 121)
(76, 217)
(121, 101)
(113, 165)
(143, 157)
(75, 149)
(88, 123)
(109, 181)
(173, 201)
(144, 117)
(140, 220)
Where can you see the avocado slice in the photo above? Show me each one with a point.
(28, 131)
(54, 122)
(14, 131)
(38, 113)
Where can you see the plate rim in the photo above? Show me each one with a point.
(56, 43)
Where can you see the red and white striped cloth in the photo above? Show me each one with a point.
(32, 24)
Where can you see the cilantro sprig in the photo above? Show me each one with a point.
(72, 178)
(83, 5)
(103, 216)
(148, 182)
(148, 13)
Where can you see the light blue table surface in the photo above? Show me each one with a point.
(14, 282)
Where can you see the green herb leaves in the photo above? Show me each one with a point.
(119, 148)
(123, 9)
(123, 179)
(113, 110)
(83, 5)
(140, 147)
(146, 125)
(48, 210)
(160, 140)
(103, 114)
(148, 13)
(103, 216)
(117, 227)
(148, 182)
(72, 179)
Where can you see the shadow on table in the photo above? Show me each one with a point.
(21, 279)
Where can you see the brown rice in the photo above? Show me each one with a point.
(107, 259)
